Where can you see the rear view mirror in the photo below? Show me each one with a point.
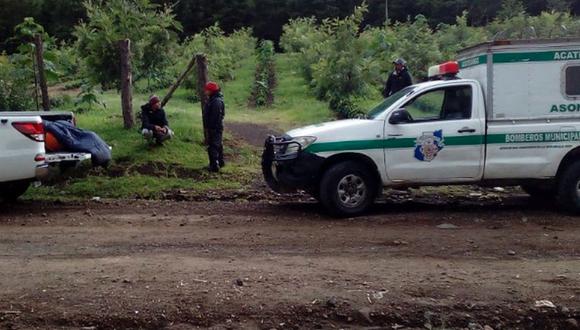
(400, 116)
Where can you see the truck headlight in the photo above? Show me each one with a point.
(304, 141)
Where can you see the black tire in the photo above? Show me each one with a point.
(541, 191)
(358, 193)
(569, 188)
(10, 191)
(314, 193)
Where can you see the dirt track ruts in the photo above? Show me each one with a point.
(180, 265)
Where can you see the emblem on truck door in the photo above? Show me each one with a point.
(428, 145)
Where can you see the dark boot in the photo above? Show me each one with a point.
(213, 169)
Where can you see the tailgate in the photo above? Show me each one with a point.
(66, 157)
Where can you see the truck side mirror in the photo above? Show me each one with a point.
(400, 116)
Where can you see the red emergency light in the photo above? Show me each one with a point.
(446, 70)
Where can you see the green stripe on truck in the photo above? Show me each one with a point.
(548, 56)
(388, 144)
(474, 61)
(512, 138)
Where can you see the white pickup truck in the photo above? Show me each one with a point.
(507, 113)
(23, 158)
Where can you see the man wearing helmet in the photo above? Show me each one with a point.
(399, 79)
(213, 125)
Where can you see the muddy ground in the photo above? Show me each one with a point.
(425, 260)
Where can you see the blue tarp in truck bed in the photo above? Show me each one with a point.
(74, 139)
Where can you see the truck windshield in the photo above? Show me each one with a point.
(379, 109)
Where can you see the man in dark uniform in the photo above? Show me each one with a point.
(399, 79)
(155, 125)
(213, 125)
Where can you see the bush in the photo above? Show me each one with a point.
(343, 64)
(223, 52)
(16, 91)
(88, 98)
(301, 33)
(66, 61)
(304, 37)
(265, 81)
(454, 37)
(547, 25)
(151, 29)
(334, 60)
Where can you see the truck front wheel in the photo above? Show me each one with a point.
(569, 188)
(10, 191)
(541, 191)
(347, 189)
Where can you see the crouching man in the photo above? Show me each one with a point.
(155, 125)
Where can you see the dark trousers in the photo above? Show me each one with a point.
(215, 148)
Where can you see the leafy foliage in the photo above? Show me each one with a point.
(511, 8)
(336, 58)
(88, 98)
(300, 33)
(152, 30)
(416, 44)
(18, 71)
(16, 93)
(547, 25)
(343, 64)
(223, 52)
(454, 37)
(25, 33)
(265, 81)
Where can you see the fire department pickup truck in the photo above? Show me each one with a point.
(23, 158)
(506, 113)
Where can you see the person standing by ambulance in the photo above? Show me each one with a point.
(399, 79)
(213, 124)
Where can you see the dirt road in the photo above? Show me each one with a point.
(283, 265)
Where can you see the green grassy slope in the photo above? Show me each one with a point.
(141, 171)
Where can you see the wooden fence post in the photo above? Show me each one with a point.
(39, 51)
(178, 82)
(202, 78)
(126, 84)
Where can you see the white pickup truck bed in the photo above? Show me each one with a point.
(23, 157)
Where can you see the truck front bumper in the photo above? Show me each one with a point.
(286, 173)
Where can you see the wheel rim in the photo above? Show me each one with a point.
(578, 189)
(352, 191)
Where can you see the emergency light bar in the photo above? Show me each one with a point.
(446, 70)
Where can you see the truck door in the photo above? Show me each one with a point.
(438, 136)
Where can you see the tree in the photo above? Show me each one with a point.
(560, 5)
(265, 76)
(267, 17)
(453, 37)
(151, 28)
(415, 43)
(511, 8)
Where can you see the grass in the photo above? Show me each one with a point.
(294, 106)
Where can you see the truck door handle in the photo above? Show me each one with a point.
(395, 135)
(467, 130)
(4, 121)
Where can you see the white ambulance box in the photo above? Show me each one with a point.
(526, 79)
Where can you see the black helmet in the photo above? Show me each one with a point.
(400, 61)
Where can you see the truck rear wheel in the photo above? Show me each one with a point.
(569, 188)
(10, 191)
(347, 189)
